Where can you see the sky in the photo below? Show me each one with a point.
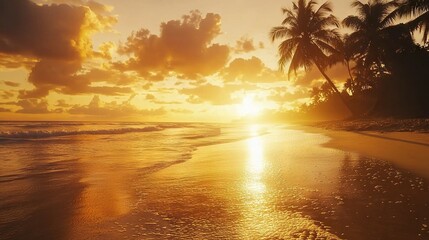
(147, 60)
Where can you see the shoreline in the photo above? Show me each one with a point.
(407, 150)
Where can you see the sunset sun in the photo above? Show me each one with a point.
(249, 107)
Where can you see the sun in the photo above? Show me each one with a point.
(248, 107)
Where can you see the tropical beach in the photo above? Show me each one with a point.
(160, 119)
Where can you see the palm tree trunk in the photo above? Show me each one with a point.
(350, 71)
(328, 79)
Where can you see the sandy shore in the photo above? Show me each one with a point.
(408, 150)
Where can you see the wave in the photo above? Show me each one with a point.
(58, 133)
(211, 133)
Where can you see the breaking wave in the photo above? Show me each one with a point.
(58, 133)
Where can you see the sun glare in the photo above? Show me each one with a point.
(248, 107)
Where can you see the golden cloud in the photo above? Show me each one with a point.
(152, 98)
(113, 109)
(183, 48)
(62, 76)
(7, 94)
(251, 70)
(54, 41)
(215, 95)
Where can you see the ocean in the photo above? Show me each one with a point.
(26, 145)
(45, 164)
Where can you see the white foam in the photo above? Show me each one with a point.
(56, 133)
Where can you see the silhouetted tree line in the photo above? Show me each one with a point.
(388, 68)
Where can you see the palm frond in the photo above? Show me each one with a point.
(324, 9)
(287, 47)
(420, 23)
(353, 22)
(279, 32)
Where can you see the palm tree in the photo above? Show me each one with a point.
(310, 37)
(368, 41)
(413, 8)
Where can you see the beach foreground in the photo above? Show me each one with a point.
(278, 183)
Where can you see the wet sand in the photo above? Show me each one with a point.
(285, 184)
(408, 150)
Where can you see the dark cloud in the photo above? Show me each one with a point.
(62, 104)
(62, 76)
(54, 41)
(5, 109)
(33, 106)
(11, 84)
(184, 48)
(102, 11)
(113, 109)
(45, 31)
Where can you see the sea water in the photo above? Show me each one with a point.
(47, 166)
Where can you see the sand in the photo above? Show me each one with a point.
(408, 150)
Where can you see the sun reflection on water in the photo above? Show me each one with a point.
(255, 205)
(261, 219)
(256, 163)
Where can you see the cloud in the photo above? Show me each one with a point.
(11, 84)
(46, 31)
(183, 48)
(33, 106)
(246, 45)
(62, 76)
(53, 40)
(5, 109)
(113, 109)
(152, 98)
(215, 95)
(102, 11)
(105, 50)
(7, 94)
(16, 61)
(62, 103)
(251, 70)
(182, 111)
(110, 75)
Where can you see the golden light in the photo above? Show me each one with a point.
(248, 107)
(255, 164)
